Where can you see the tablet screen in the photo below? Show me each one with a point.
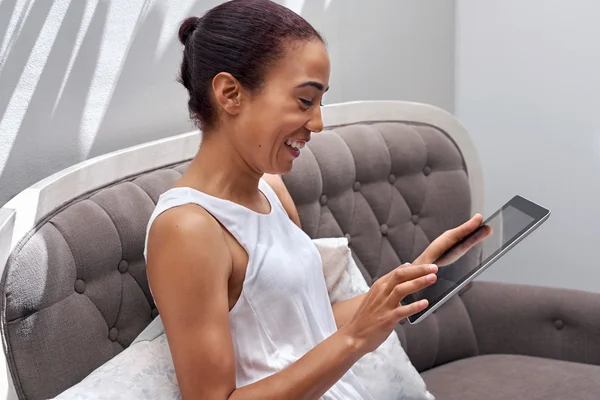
(478, 249)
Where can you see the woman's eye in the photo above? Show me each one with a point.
(307, 103)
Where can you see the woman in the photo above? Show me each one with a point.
(239, 286)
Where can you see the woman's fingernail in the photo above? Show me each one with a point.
(423, 303)
(431, 278)
(433, 268)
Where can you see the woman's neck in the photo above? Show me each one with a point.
(219, 170)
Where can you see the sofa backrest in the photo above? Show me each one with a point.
(74, 288)
(390, 188)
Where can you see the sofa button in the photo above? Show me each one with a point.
(123, 266)
(154, 312)
(356, 186)
(113, 333)
(427, 170)
(384, 230)
(323, 200)
(559, 324)
(415, 219)
(347, 236)
(392, 178)
(79, 286)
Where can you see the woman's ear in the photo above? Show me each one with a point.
(228, 92)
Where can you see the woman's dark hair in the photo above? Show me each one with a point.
(241, 37)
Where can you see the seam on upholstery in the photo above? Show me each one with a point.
(389, 211)
(74, 262)
(146, 193)
(114, 224)
(120, 303)
(401, 196)
(317, 200)
(424, 194)
(426, 163)
(323, 191)
(437, 344)
(468, 314)
(164, 169)
(378, 266)
(121, 242)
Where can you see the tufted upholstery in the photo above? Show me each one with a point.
(390, 188)
(74, 292)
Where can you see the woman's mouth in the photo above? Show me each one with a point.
(294, 146)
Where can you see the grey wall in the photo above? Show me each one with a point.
(82, 78)
(528, 90)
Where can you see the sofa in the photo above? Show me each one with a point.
(389, 175)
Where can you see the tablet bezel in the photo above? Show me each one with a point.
(535, 211)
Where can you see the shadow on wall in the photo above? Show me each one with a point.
(88, 95)
(61, 122)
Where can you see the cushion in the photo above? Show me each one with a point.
(145, 369)
(509, 377)
(387, 372)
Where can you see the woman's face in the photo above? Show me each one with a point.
(274, 123)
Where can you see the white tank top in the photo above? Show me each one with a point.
(284, 309)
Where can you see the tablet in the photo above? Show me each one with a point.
(473, 254)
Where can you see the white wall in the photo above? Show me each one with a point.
(528, 89)
(81, 78)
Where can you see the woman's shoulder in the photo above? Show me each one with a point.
(185, 222)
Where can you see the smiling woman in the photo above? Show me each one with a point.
(238, 284)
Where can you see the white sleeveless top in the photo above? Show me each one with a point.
(284, 309)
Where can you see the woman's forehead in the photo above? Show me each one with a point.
(308, 62)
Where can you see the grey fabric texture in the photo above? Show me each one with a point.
(75, 292)
(560, 324)
(511, 377)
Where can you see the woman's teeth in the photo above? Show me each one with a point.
(295, 144)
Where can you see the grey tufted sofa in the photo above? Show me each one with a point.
(390, 176)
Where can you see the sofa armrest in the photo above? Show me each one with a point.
(545, 322)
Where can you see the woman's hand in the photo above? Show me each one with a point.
(381, 311)
(481, 233)
(449, 238)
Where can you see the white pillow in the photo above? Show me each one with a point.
(387, 372)
(145, 369)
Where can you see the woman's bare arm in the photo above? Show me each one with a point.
(344, 310)
(189, 267)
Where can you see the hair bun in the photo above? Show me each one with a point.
(187, 29)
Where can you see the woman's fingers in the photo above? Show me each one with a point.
(407, 273)
(402, 312)
(463, 230)
(448, 239)
(404, 289)
(457, 252)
